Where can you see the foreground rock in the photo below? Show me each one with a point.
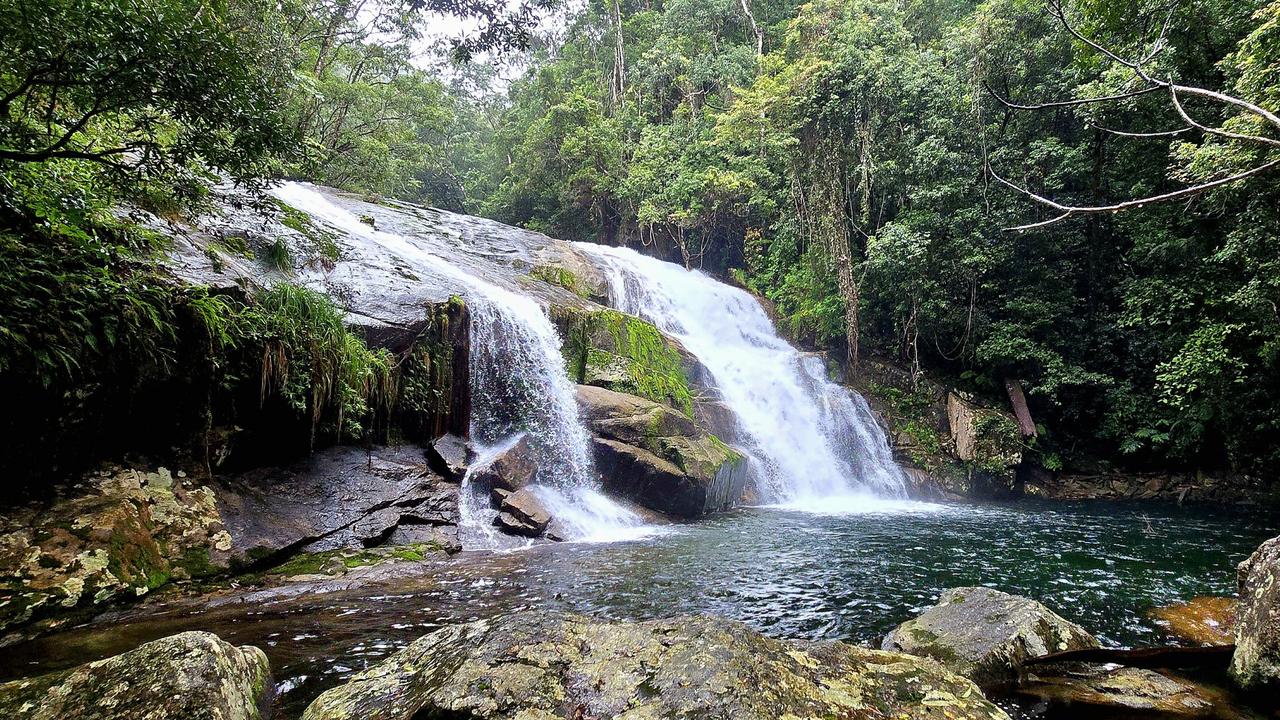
(119, 533)
(1095, 692)
(540, 666)
(339, 498)
(986, 635)
(1256, 662)
(190, 676)
(659, 457)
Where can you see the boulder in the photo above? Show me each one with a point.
(342, 497)
(541, 665)
(449, 455)
(658, 457)
(1100, 692)
(189, 676)
(511, 469)
(522, 513)
(1256, 662)
(985, 635)
(118, 533)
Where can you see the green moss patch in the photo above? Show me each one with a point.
(625, 354)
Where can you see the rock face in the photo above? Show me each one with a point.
(541, 666)
(521, 513)
(986, 634)
(190, 676)
(659, 457)
(1256, 662)
(1125, 693)
(341, 497)
(120, 533)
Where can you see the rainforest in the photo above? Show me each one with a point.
(632, 359)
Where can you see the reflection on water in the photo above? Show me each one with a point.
(786, 572)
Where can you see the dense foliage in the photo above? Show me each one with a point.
(833, 156)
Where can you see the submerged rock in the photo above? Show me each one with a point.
(1256, 662)
(658, 457)
(1205, 620)
(541, 666)
(1095, 692)
(986, 634)
(522, 513)
(189, 676)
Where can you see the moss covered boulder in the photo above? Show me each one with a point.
(620, 352)
(986, 634)
(659, 457)
(1256, 662)
(118, 533)
(190, 676)
(540, 666)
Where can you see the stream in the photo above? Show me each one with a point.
(850, 576)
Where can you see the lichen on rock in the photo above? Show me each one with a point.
(553, 665)
(1256, 662)
(985, 634)
(189, 676)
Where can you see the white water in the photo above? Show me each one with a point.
(814, 444)
(519, 386)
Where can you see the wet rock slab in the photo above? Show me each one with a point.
(986, 635)
(541, 665)
(1205, 620)
(341, 497)
(189, 676)
(1101, 693)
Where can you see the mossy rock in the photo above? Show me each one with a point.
(986, 635)
(190, 676)
(544, 665)
(621, 352)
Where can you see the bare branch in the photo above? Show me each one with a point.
(1069, 103)
(1158, 133)
(1073, 210)
(1177, 104)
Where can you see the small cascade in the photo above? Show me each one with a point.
(811, 441)
(519, 388)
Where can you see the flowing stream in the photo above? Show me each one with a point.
(519, 386)
(814, 444)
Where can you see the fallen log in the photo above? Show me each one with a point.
(1216, 656)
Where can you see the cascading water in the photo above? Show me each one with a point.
(812, 441)
(519, 388)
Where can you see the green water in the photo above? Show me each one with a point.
(789, 574)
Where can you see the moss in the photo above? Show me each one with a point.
(626, 354)
(133, 556)
(561, 277)
(195, 560)
(323, 243)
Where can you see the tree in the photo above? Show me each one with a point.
(144, 86)
(1145, 78)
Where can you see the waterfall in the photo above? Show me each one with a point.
(519, 387)
(811, 441)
